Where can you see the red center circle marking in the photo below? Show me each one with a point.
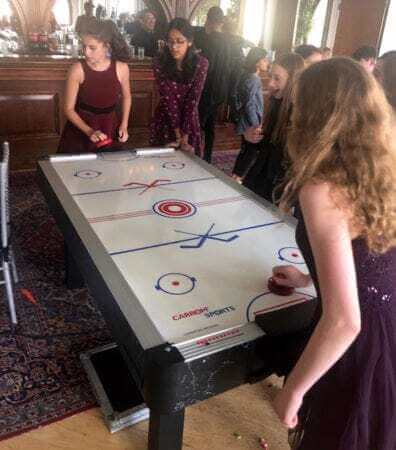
(296, 255)
(175, 283)
(175, 208)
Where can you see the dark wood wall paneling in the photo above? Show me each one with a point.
(285, 21)
(360, 23)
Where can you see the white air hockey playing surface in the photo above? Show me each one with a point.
(194, 250)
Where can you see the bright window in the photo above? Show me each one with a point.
(117, 6)
(126, 6)
(5, 9)
(62, 12)
(225, 5)
(253, 20)
(388, 38)
(315, 35)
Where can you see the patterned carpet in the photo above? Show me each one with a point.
(41, 378)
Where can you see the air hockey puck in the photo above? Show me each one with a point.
(104, 143)
(278, 289)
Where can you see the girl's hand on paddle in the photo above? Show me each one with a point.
(97, 136)
(186, 147)
(174, 144)
(123, 133)
(290, 276)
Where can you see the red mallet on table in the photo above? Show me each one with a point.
(28, 296)
(279, 289)
(104, 143)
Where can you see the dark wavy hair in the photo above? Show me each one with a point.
(366, 52)
(189, 64)
(306, 50)
(107, 32)
(253, 57)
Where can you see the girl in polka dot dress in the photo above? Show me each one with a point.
(180, 73)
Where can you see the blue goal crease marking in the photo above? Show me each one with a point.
(164, 244)
(140, 187)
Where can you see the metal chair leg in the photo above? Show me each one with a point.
(13, 266)
(10, 293)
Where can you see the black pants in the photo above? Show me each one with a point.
(208, 116)
(246, 157)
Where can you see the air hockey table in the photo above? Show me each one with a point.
(177, 256)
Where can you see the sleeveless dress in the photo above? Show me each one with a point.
(353, 406)
(96, 104)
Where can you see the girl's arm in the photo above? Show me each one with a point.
(330, 239)
(250, 117)
(123, 76)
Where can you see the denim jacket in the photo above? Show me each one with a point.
(250, 93)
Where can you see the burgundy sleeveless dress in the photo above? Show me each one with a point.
(353, 406)
(96, 104)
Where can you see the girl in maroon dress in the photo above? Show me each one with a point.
(341, 394)
(180, 74)
(93, 90)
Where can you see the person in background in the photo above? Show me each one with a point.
(84, 21)
(238, 47)
(123, 20)
(100, 12)
(366, 56)
(93, 90)
(215, 48)
(386, 67)
(249, 108)
(327, 53)
(180, 74)
(310, 53)
(341, 394)
(134, 25)
(145, 35)
(268, 171)
(238, 43)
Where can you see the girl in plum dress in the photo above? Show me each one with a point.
(94, 89)
(341, 394)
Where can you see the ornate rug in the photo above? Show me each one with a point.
(41, 378)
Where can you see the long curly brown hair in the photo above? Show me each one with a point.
(343, 133)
